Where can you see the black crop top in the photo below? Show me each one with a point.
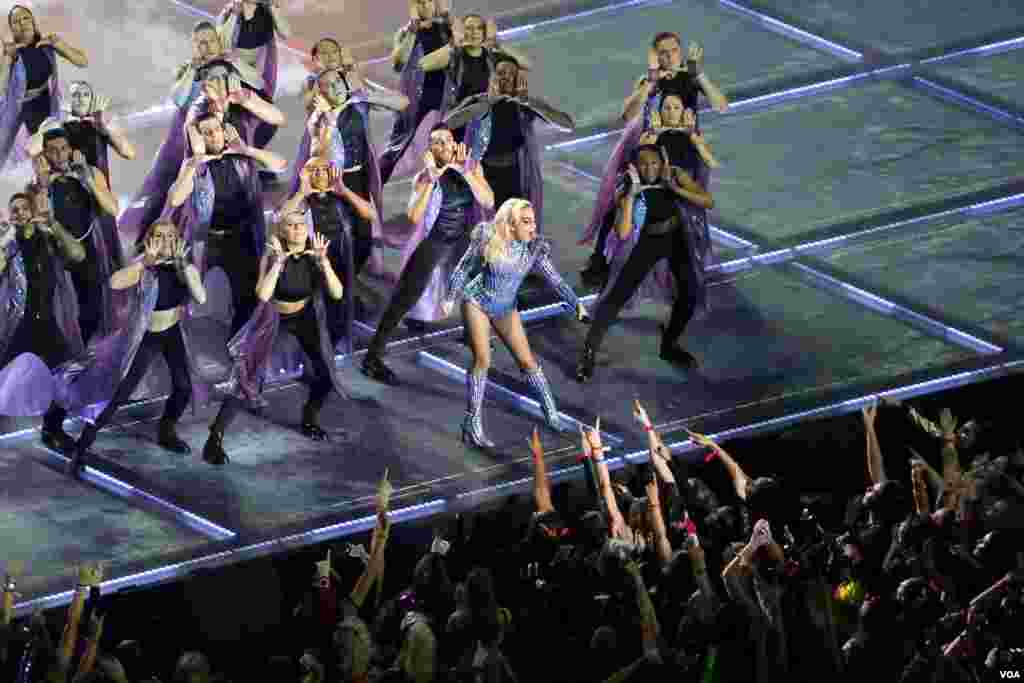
(296, 280)
(171, 292)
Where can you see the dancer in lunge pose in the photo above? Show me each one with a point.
(429, 29)
(28, 78)
(81, 201)
(667, 74)
(212, 82)
(164, 282)
(251, 29)
(38, 315)
(660, 217)
(332, 209)
(448, 199)
(506, 116)
(219, 190)
(501, 254)
(294, 272)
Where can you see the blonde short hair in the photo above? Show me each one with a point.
(498, 242)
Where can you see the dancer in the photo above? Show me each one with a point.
(667, 74)
(81, 201)
(660, 216)
(675, 131)
(429, 29)
(502, 253)
(339, 130)
(164, 283)
(327, 53)
(84, 118)
(219, 190)
(448, 198)
(212, 82)
(293, 274)
(507, 115)
(28, 77)
(332, 209)
(38, 302)
(251, 29)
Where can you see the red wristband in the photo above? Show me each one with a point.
(711, 455)
(648, 428)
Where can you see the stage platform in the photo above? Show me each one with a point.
(868, 240)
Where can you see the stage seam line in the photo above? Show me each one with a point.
(953, 95)
(795, 32)
(981, 51)
(522, 403)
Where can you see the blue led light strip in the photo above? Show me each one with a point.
(225, 557)
(973, 103)
(843, 407)
(799, 34)
(980, 51)
(523, 403)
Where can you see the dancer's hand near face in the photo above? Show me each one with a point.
(274, 245)
(320, 244)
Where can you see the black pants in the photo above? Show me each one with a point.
(171, 345)
(235, 255)
(645, 255)
(40, 335)
(505, 182)
(602, 235)
(362, 229)
(430, 253)
(303, 327)
(339, 313)
(34, 112)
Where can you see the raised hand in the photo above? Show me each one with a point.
(522, 85)
(10, 50)
(666, 167)
(947, 423)
(702, 440)
(458, 34)
(641, 414)
(592, 440)
(447, 307)
(274, 245)
(151, 252)
(180, 251)
(233, 143)
(461, 155)
(493, 89)
(491, 34)
(90, 574)
(320, 244)
(100, 104)
(430, 164)
(690, 123)
(384, 491)
(634, 180)
(695, 59)
(582, 314)
(762, 534)
(305, 182)
(337, 178)
(652, 60)
(48, 40)
(217, 93)
(236, 94)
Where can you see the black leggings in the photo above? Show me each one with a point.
(241, 266)
(171, 345)
(430, 253)
(645, 255)
(362, 229)
(303, 327)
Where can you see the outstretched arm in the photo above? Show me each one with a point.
(740, 480)
(541, 485)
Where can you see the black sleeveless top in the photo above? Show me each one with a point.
(231, 209)
(506, 131)
(352, 128)
(297, 279)
(683, 85)
(171, 292)
(326, 213)
(84, 137)
(257, 31)
(681, 152)
(39, 271)
(38, 67)
(431, 39)
(456, 200)
(661, 205)
(476, 75)
(73, 205)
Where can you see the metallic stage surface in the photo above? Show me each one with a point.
(867, 236)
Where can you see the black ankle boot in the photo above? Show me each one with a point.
(374, 368)
(79, 452)
(585, 367)
(596, 273)
(311, 423)
(168, 438)
(52, 432)
(213, 451)
(673, 353)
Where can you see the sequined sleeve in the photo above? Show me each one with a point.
(468, 264)
(543, 265)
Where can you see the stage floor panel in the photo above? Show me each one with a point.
(997, 76)
(768, 337)
(793, 170)
(592, 84)
(52, 523)
(278, 479)
(964, 271)
(897, 28)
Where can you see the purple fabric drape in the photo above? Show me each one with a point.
(428, 307)
(86, 384)
(340, 252)
(26, 385)
(252, 347)
(616, 164)
(13, 136)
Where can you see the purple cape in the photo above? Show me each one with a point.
(428, 307)
(252, 347)
(87, 384)
(13, 136)
(341, 251)
(23, 377)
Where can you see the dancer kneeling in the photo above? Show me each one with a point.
(165, 282)
(293, 272)
(502, 253)
(660, 216)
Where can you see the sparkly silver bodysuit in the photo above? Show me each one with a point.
(494, 286)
